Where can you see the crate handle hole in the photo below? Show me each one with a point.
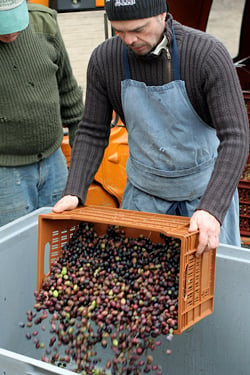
(46, 258)
(185, 281)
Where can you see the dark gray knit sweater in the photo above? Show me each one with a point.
(213, 88)
(38, 92)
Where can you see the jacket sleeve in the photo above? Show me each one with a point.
(44, 20)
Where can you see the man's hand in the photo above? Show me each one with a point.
(66, 203)
(209, 228)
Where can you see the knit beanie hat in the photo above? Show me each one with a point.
(122, 10)
(14, 16)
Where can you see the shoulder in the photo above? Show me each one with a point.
(109, 49)
(43, 19)
(107, 55)
(198, 46)
(193, 37)
(106, 59)
(43, 11)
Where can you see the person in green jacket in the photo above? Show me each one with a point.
(39, 96)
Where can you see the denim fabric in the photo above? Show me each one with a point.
(27, 188)
(172, 151)
(230, 229)
(134, 199)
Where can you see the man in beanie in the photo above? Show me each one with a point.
(38, 94)
(177, 92)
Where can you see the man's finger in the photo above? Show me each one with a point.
(67, 203)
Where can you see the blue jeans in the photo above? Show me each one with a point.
(27, 188)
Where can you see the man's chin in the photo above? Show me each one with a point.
(140, 51)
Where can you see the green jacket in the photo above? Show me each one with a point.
(38, 92)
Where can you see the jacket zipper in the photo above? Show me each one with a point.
(169, 64)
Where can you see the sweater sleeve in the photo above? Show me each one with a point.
(92, 135)
(44, 21)
(228, 116)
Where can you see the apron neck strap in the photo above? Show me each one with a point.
(175, 59)
(126, 63)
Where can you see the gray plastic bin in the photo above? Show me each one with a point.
(217, 345)
(16, 364)
(18, 268)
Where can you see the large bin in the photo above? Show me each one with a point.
(218, 344)
(18, 271)
(12, 363)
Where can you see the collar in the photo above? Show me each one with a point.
(161, 46)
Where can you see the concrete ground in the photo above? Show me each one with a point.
(83, 31)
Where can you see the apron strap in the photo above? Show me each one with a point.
(126, 63)
(175, 60)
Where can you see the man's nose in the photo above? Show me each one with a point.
(129, 38)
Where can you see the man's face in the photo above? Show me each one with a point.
(8, 38)
(141, 35)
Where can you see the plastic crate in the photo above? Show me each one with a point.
(246, 95)
(245, 241)
(244, 201)
(197, 274)
(66, 149)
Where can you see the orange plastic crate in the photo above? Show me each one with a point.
(197, 274)
(66, 149)
(244, 201)
(42, 2)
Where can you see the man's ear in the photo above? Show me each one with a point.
(163, 16)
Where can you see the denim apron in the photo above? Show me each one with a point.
(172, 151)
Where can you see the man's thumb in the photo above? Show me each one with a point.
(193, 227)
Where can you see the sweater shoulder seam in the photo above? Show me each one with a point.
(43, 20)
